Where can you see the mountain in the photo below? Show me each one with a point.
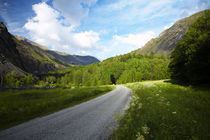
(166, 41)
(73, 59)
(24, 56)
(66, 58)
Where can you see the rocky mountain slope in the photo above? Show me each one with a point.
(24, 56)
(166, 41)
(66, 58)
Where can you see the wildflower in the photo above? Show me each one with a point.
(162, 99)
(145, 129)
(174, 112)
(139, 136)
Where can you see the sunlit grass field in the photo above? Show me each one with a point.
(19, 106)
(161, 110)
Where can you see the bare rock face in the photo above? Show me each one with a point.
(166, 41)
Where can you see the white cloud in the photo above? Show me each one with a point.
(47, 29)
(86, 39)
(168, 26)
(122, 4)
(124, 44)
(135, 40)
(73, 10)
(138, 10)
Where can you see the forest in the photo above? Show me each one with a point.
(116, 70)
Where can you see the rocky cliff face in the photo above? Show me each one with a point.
(166, 41)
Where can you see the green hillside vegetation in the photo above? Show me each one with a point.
(60, 57)
(167, 40)
(190, 60)
(161, 110)
(18, 106)
(37, 53)
(120, 69)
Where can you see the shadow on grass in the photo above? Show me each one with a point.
(204, 87)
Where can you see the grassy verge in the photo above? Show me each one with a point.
(161, 110)
(19, 106)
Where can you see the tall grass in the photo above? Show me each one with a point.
(19, 106)
(160, 110)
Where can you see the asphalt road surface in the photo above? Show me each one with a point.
(91, 120)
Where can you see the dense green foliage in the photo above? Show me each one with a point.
(22, 105)
(14, 80)
(190, 60)
(116, 70)
(161, 110)
(120, 69)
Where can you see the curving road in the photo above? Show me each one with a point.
(91, 120)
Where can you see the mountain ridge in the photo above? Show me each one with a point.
(167, 39)
(64, 57)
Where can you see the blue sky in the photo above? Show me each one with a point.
(101, 28)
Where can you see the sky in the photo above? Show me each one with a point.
(100, 28)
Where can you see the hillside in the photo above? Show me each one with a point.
(66, 58)
(73, 59)
(166, 41)
(24, 56)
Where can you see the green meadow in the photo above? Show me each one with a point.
(162, 110)
(22, 105)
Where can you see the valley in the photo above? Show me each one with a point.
(158, 91)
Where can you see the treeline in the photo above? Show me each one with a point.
(120, 69)
(14, 80)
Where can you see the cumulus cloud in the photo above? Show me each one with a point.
(47, 28)
(122, 44)
(73, 10)
(135, 40)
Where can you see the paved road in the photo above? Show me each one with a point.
(91, 120)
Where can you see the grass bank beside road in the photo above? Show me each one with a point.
(161, 110)
(19, 106)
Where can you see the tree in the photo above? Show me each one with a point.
(78, 78)
(190, 60)
(50, 79)
(10, 79)
(28, 80)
